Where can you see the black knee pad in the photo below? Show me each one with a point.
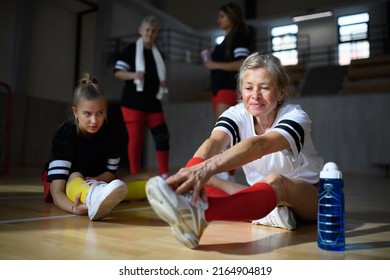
(161, 137)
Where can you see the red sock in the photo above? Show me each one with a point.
(214, 192)
(252, 203)
(163, 162)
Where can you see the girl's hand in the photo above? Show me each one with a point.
(79, 208)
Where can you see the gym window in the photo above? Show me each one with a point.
(284, 44)
(353, 38)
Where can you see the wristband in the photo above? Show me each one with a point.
(194, 161)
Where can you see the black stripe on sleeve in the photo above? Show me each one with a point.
(297, 127)
(230, 130)
(292, 133)
(231, 126)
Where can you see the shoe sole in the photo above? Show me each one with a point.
(108, 200)
(291, 222)
(289, 225)
(159, 200)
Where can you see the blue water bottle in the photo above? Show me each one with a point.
(330, 222)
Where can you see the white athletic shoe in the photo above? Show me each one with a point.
(280, 217)
(187, 221)
(102, 197)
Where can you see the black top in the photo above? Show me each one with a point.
(240, 49)
(91, 156)
(146, 100)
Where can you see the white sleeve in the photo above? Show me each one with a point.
(294, 126)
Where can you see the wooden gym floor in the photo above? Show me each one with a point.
(31, 229)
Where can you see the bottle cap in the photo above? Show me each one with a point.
(331, 170)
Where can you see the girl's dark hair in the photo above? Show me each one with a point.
(234, 13)
(88, 88)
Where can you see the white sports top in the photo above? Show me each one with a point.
(299, 161)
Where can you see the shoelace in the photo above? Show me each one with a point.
(199, 203)
(92, 183)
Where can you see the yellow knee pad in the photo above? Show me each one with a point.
(136, 190)
(74, 187)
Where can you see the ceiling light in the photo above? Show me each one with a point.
(312, 16)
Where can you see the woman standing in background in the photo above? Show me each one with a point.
(227, 57)
(226, 60)
(142, 68)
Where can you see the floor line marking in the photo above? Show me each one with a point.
(63, 216)
(19, 197)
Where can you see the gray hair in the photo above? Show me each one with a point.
(274, 67)
(152, 20)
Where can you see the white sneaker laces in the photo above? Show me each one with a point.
(92, 183)
(199, 203)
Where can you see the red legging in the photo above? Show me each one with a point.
(135, 123)
(252, 203)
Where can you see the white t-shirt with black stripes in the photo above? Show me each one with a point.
(301, 160)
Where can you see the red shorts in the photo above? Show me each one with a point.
(226, 96)
(46, 187)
